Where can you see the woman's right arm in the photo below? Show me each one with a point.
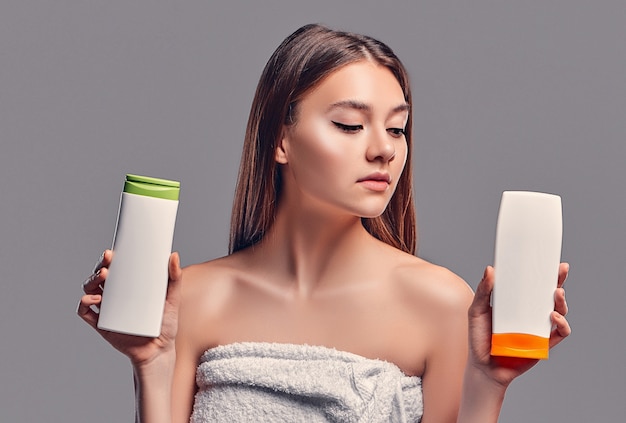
(156, 361)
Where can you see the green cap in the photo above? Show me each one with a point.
(152, 187)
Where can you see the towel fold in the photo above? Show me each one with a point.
(266, 382)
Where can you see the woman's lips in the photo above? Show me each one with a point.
(377, 181)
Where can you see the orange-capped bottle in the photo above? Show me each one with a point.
(527, 256)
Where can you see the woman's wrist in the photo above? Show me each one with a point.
(482, 397)
(153, 388)
(159, 368)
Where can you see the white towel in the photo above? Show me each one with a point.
(265, 382)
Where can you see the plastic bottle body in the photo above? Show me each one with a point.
(136, 286)
(527, 257)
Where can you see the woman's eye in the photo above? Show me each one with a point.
(351, 129)
(396, 132)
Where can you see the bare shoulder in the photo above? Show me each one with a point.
(208, 285)
(431, 303)
(207, 290)
(430, 286)
(208, 276)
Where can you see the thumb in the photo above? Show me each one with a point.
(481, 303)
(175, 279)
(175, 272)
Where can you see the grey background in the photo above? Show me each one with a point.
(508, 95)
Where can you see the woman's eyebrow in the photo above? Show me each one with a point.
(359, 105)
(401, 108)
(350, 104)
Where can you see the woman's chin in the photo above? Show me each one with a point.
(372, 214)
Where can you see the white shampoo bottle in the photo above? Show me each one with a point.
(527, 256)
(136, 285)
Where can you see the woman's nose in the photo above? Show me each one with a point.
(381, 147)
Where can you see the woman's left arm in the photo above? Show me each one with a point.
(446, 311)
(487, 377)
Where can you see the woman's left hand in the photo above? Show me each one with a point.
(504, 369)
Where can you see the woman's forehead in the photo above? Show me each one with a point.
(362, 85)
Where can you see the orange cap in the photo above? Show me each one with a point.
(519, 345)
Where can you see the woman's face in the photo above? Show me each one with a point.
(347, 148)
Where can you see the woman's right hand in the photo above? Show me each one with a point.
(141, 350)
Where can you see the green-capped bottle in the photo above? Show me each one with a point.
(136, 285)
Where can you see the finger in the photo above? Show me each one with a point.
(561, 329)
(560, 303)
(103, 261)
(480, 304)
(563, 273)
(175, 278)
(85, 311)
(175, 272)
(94, 283)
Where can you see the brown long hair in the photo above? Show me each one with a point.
(301, 62)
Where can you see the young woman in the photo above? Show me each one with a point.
(322, 312)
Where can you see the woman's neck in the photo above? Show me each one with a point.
(308, 250)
